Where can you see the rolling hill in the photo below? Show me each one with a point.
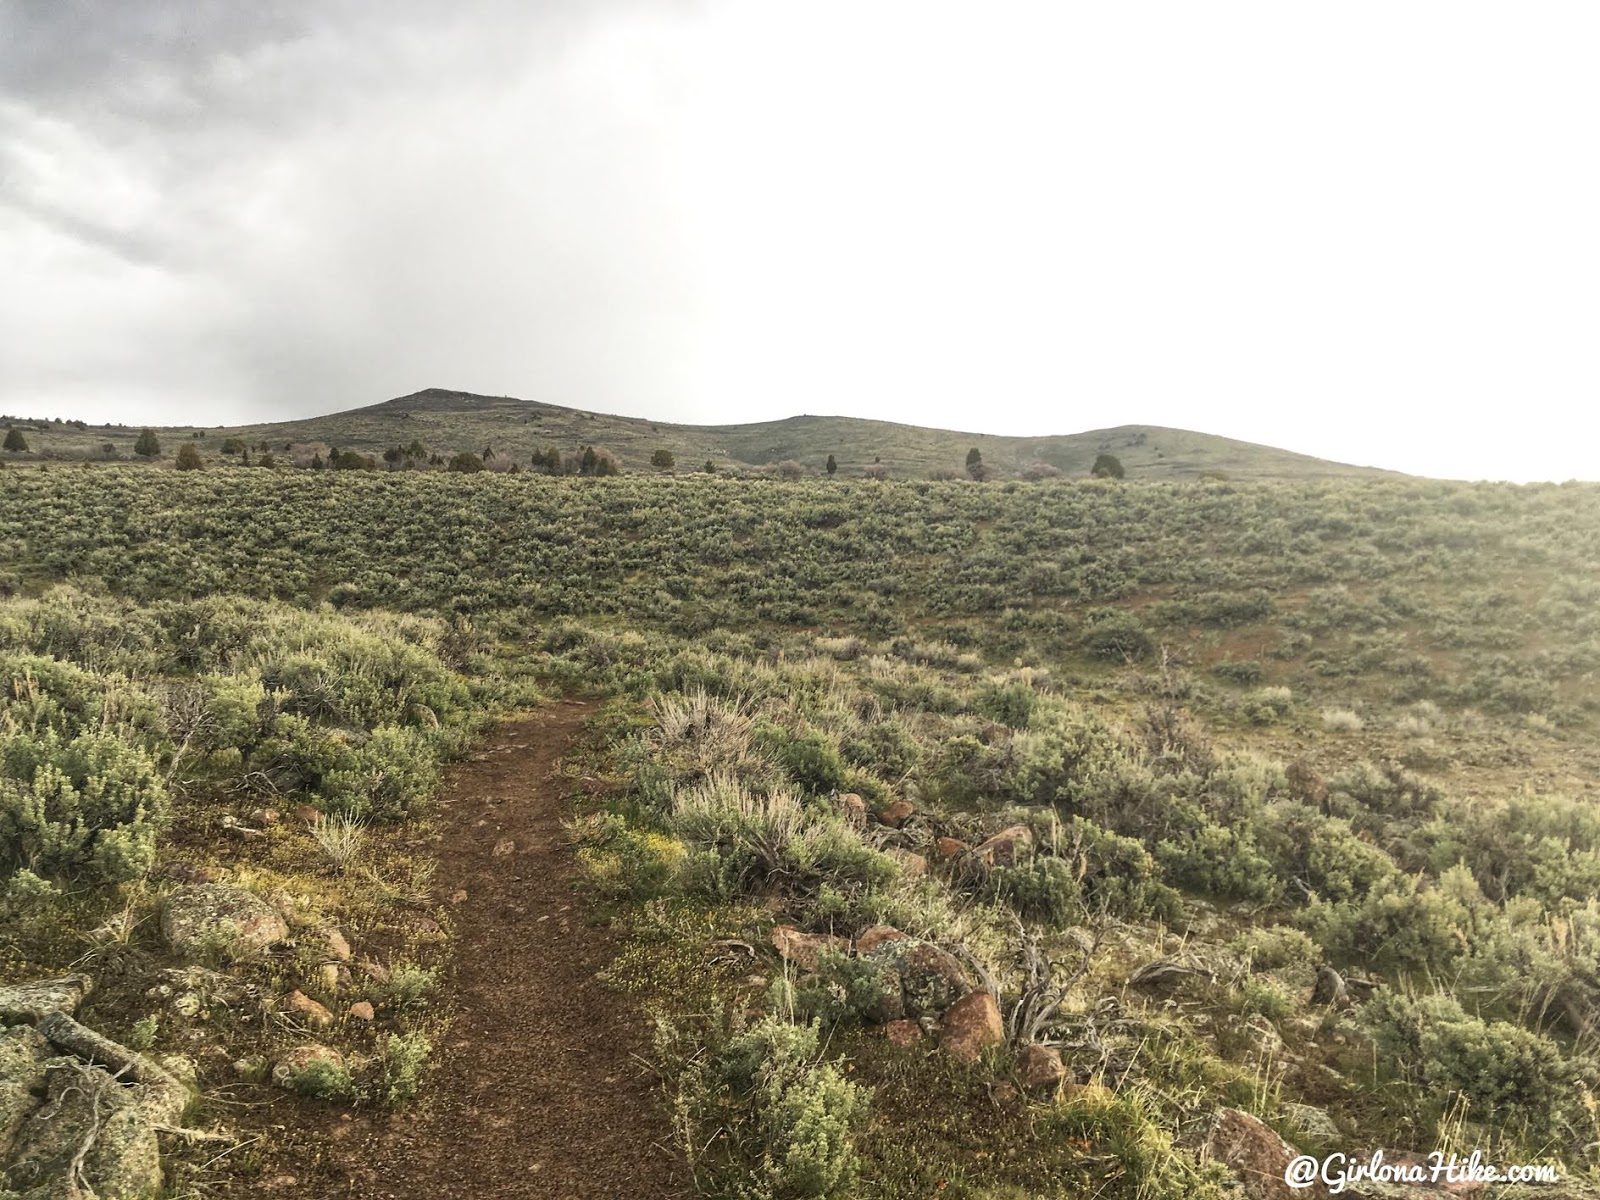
(448, 422)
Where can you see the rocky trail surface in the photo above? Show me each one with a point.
(537, 1090)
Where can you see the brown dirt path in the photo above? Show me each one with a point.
(535, 1092)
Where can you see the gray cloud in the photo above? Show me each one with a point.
(1034, 218)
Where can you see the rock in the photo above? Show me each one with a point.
(1254, 1153)
(123, 1160)
(805, 950)
(946, 849)
(25, 1003)
(361, 1010)
(1006, 848)
(902, 1034)
(926, 979)
(504, 848)
(309, 815)
(337, 945)
(459, 896)
(183, 872)
(1312, 1122)
(265, 816)
(23, 1051)
(852, 808)
(218, 918)
(872, 938)
(912, 864)
(374, 971)
(296, 1062)
(304, 1006)
(970, 1026)
(895, 813)
(205, 985)
(181, 1067)
(1039, 1067)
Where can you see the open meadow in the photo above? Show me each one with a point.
(983, 840)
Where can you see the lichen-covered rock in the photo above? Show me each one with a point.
(220, 919)
(902, 1034)
(25, 1003)
(1254, 1153)
(930, 979)
(23, 1051)
(970, 1026)
(123, 1161)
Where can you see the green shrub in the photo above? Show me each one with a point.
(1510, 1076)
(1275, 946)
(759, 1113)
(402, 1061)
(87, 808)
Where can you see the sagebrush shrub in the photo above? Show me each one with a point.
(85, 808)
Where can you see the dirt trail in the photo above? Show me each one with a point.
(536, 1092)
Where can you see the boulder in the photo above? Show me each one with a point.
(970, 1026)
(1006, 848)
(1039, 1067)
(927, 979)
(25, 1003)
(23, 1051)
(1256, 1155)
(1312, 1122)
(85, 1105)
(895, 813)
(803, 949)
(220, 918)
(361, 1010)
(870, 939)
(946, 849)
(902, 1034)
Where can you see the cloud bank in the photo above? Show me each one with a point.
(1362, 232)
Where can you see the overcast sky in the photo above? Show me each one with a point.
(1364, 230)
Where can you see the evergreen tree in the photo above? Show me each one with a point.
(15, 442)
(1107, 466)
(188, 458)
(833, 466)
(147, 445)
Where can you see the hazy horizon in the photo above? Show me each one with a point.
(1361, 234)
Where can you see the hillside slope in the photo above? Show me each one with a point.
(448, 422)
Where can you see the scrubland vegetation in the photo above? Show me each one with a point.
(1272, 797)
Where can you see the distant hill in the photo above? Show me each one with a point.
(448, 422)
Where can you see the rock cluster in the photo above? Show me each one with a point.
(79, 1113)
(923, 989)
